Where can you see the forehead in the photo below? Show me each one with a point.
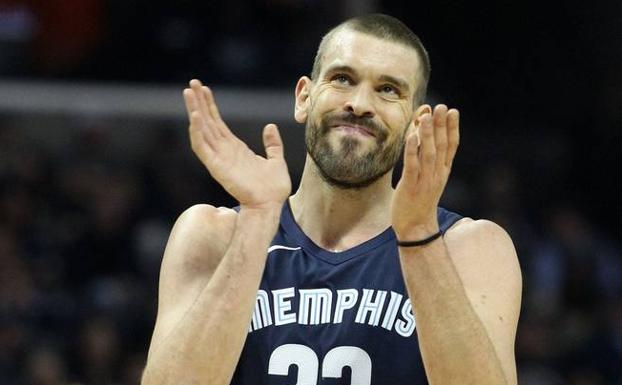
(369, 54)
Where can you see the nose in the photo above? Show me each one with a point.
(360, 102)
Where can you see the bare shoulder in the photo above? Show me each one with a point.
(195, 247)
(486, 261)
(479, 228)
(485, 257)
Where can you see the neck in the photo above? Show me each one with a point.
(338, 219)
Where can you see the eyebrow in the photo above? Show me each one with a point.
(340, 68)
(383, 78)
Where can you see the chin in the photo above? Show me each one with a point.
(343, 182)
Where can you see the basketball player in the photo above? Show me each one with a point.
(348, 281)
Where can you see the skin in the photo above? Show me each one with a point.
(465, 287)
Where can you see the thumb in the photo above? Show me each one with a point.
(272, 141)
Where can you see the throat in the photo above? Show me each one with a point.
(337, 233)
(337, 219)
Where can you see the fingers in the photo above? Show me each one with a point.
(272, 142)
(211, 103)
(427, 151)
(208, 108)
(194, 116)
(440, 135)
(189, 101)
(220, 126)
(196, 87)
(199, 101)
(201, 137)
(439, 138)
(411, 157)
(453, 135)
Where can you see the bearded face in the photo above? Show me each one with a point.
(351, 163)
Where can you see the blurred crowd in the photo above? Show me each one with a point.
(81, 236)
(162, 40)
(84, 226)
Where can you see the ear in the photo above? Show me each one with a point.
(415, 124)
(303, 87)
(423, 109)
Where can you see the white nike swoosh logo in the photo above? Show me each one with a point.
(281, 247)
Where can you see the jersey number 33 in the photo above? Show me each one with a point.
(333, 363)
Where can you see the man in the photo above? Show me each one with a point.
(314, 289)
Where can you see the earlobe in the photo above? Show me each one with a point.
(302, 99)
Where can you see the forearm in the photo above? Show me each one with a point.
(205, 345)
(454, 343)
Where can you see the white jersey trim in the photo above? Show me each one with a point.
(281, 247)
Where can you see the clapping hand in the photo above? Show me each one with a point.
(253, 180)
(428, 156)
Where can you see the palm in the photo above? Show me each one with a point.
(425, 174)
(251, 179)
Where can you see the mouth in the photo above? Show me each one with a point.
(354, 129)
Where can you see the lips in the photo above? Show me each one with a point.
(354, 129)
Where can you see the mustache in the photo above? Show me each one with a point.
(335, 119)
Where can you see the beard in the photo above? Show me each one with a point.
(346, 167)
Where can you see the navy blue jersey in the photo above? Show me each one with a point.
(324, 318)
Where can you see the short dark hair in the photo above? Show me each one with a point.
(383, 27)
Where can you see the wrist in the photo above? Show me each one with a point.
(267, 211)
(417, 233)
(263, 221)
(420, 242)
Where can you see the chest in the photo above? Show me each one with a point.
(320, 323)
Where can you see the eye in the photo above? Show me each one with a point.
(389, 89)
(342, 79)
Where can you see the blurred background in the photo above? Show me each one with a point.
(95, 163)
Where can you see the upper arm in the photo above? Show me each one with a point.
(486, 261)
(195, 247)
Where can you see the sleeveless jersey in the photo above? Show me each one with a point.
(324, 318)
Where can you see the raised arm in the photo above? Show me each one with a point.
(215, 258)
(465, 287)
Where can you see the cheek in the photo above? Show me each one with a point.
(399, 119)
(327, 98)
(406, 112)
